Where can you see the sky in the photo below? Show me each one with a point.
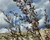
(7, 5)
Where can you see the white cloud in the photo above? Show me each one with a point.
(2, 19)
(3, 30)
(5, 3)
(41, 21)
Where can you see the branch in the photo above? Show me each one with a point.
(8, 22)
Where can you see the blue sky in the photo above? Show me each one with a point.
(7, 5)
